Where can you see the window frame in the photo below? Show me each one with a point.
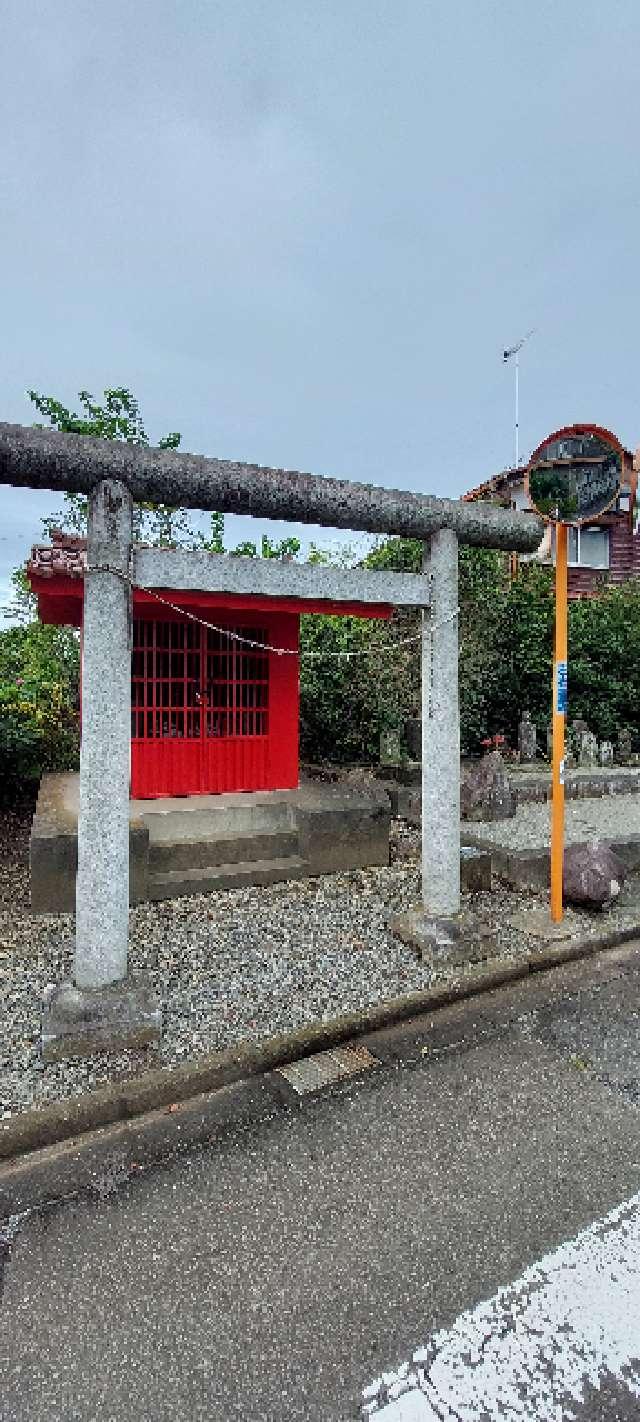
(579, 529)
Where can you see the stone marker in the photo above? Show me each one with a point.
(573, 739)
(390, 753)
(593, 874)
(527, 739)
(625, 746)
(588, 753)
(606, 753)
(413, 737)
(486, 793)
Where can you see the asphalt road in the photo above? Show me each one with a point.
(273, 1277)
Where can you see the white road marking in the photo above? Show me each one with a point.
(530, 1351)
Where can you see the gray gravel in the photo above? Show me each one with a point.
(243, 964)
(610, 818)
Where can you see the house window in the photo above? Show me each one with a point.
(589, 546)
(519, 498)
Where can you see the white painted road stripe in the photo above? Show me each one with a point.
(528, 1353)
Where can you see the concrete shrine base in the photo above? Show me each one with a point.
(204, 843)
(76, 1022)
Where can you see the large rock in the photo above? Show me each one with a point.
(593, 874)
(485, 792)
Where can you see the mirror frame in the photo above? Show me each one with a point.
(565, 432)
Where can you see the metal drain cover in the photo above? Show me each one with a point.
(323, 1069)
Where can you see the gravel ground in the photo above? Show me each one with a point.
(609, 818)
(245, 963)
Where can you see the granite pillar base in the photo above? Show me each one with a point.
(78, 1022)
(445, 942)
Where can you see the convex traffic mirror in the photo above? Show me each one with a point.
(575, 475)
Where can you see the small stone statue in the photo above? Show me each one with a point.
(588, 756)
(606, 754)
(625, 746)
(413, 737)
(575, 733)
(390, 748)
(527, 739)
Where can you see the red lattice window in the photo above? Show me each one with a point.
(190, 683)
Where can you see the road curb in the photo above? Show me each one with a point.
(58, 1150)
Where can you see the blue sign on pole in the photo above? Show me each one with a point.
(561, 688)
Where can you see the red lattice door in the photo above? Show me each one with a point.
(202, 709)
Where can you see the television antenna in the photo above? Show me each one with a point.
(506, 356)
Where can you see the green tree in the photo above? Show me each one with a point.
(347, 701)
(505, 652)
(40, 665)
(118, 417)
(357, 678)
(284, 548)
(39, 721)
(604, 659)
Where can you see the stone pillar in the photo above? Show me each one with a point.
(102, 885)
(441, 731)
(437, 927)
(103, 1009)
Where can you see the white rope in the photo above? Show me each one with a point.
(266, 646)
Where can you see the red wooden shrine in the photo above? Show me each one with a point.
(211, 710)
(209, 713)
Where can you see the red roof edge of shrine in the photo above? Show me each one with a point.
(56, 572)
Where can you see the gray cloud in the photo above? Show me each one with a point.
(303, 233)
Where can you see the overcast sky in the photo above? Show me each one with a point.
(302, 231)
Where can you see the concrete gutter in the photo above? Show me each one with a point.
(56, 1151)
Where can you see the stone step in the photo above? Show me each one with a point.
(207, 853)
(209, 816)
(173, 883)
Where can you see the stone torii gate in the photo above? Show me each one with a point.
(103, 1006)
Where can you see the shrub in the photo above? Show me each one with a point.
(39, 719)
(345, 702)
(506, 657)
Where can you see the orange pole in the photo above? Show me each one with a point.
(559, 719)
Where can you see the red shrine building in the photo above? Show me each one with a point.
(214, 676)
